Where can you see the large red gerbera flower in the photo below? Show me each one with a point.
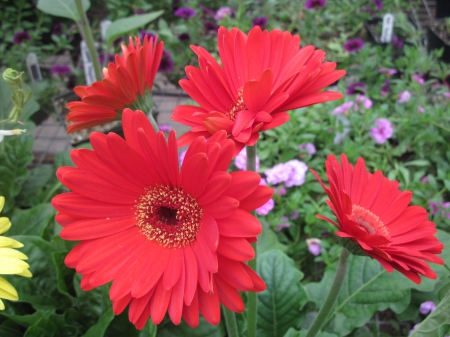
(372, 212)
(170, 240)
(262, 76)
(126, 83)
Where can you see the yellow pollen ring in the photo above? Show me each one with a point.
(169, 216)
(369, 221)
(237, 106)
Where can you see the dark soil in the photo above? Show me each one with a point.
(441, 30)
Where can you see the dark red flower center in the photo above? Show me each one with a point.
(238, 105)
(369, 221)
(168, 215)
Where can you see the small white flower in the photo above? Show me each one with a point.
(14, 132)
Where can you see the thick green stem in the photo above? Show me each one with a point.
(252, 296)
(89, 38)
(230, 322)
(332, 296)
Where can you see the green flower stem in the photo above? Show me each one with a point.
(153, 121)
(89, 38)
(252, 296)
(230, 322)
(332, 296)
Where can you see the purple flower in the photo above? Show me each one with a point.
(223, 12)
(425, 180)
(397, 43)
(366, 101)
(266, 208)
(388, 71)
(211, 28)
(183, 37)
(101, 57)
(356, 88)
(315, 4)
(353, 45)
(420, 109)
(427, 307)
(378, 4)
(309, 147)
(382, 131)
(434, 208)
(297, 172)
(294, 215)
(385, 88)
(241, 160)
(418, 79)
(404, 97)
(447, 94)
(57, 29)
(280, 190)
(144, 33)
(185, 12)
(166, 64)
(284, 224)
(262, 22)
(118, 41)
(139, 11)
(206, 10)
(343, 109)
(277, 174)
(21, 37)
(165, 127)
(413, 329)
(60, 69)
(314, 246)
(447, 81)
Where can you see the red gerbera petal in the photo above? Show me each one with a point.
(373, 213)
(170, 240)
(263, 74)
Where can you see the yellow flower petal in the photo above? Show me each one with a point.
(12, 266)
(25, 273)
(2, 306)
(7, 291)
(4, 224)
(12, 253)
(2, 203)
(8, 242)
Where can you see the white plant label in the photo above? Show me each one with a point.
(103, 27)
(88, 65)
(34, 71)
(388, 28)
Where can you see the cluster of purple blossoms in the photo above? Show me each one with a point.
(268, 206)
(382, 130)
(309, 147)
(353, 45)
(291, 173)
(315, 4)
(241, 160)
(346, 106)
(185, 12)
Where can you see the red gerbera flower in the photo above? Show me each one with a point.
(262, 76)
(126, 83)
(372, 212)
(170, 239)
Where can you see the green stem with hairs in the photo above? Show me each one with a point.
(332, 296)
(252, 296)
(89, 38)
(230, 322)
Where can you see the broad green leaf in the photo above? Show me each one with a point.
(204, 329)
(62, 8)
(437, 323)
(418, 162)
(102, 324)
(280, 304)
(125, 25)
(32, 221)
(25, 320)
(268, 240)
(302, 333)
(51, 326)
(30, 194)
(64, 274)
(13, 166)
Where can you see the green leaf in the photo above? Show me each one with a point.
(62, 8)
(302, 333)
(419, 162)
(25, 320)
(64, 274)
(204, 329)
(125, 25)
(437, 323)
(37, 179)
(268, 240)
(280, 304)
(9, 332)
(102, 324)
(51, 326)
(32, 221)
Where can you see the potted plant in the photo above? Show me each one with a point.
(439, 37)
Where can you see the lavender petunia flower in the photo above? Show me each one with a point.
(166, 64)
(314, 246)
(184, 37)
(404, 97)
(385, 88)
(222, 13)
(266, 208)
(343, 109)
(315, 4)
(378, 4)
(309, 147)
(366, 101)
(297, 172)
(397, 43)
(277, 174)
(241, 160)
(295, 215)
(413, 329)
(185, 12)
(382, 131)
(356, 88)
(165, 127)
(353, 45)
(388, 71)
(262, 22)
(434, 208)
(427, 307)
(21, 37)
(419, 79)
(60, 69)
(285, 223)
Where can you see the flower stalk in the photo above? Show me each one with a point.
(230, 322)
(332, 296)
